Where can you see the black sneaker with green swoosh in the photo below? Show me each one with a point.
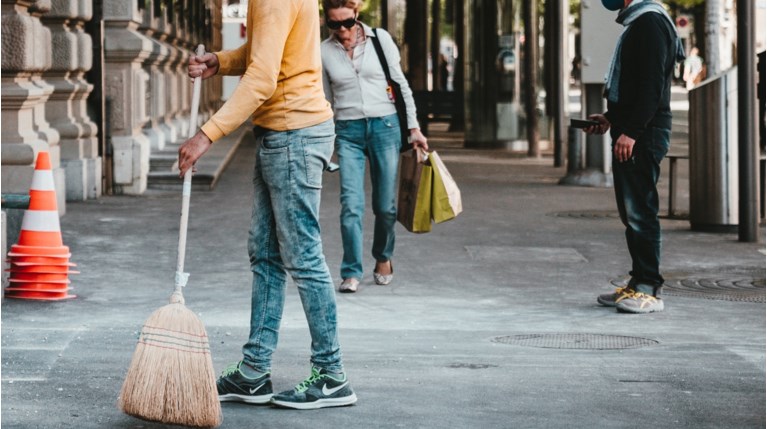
(234, 386)
(320, 390)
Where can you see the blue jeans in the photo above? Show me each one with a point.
(378, 140)
(285, 239)
(636, 193)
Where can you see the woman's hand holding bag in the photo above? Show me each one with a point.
(427, 191)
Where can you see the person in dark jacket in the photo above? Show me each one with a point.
(638, 92)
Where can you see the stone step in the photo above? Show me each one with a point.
(169, 181)
(162, 161)
(209, 167)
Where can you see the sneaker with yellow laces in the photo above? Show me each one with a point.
(640, 303)
(612, 299)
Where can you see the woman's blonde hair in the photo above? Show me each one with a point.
(335, 4)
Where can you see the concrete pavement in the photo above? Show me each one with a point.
(491, 321)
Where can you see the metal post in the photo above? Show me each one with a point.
(559, 78)
(761, 94)
(587, 158)
(748, 215)
(595, 146)
(574, 150)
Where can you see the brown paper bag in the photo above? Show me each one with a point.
(445, 196)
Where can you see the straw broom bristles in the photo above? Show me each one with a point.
(171, 378)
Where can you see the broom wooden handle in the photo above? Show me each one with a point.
(181, 276)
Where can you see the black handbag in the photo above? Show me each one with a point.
(396, 90)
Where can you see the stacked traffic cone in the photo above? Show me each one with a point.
(40, 264)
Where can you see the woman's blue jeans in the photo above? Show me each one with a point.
(636, 193)
(378, 141)
(285, 239)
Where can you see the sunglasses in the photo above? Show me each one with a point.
(335, 25)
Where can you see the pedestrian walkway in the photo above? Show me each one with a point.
(491, 321)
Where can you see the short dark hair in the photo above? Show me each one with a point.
(336, 4)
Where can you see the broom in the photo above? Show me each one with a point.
(171, 378)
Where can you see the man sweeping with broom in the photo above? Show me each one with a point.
(281, 90)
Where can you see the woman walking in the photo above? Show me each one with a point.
(367, 129)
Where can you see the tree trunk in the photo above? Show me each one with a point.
(531, 75)
(415, 35)
(436, 76)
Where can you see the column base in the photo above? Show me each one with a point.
(588, 178)
(131, 164)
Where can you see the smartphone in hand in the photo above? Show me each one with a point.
(583, 123)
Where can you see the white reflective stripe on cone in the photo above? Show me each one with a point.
(42, 180)
(41, 220)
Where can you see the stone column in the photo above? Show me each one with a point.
(26, 45)
(168, 74)
(215, 44)
(182, 99)
(193, 22)
(37, 9)
(183, 45)
(156, 91)
(126, 89)
(66, 108)
(207, 106)
(170, 69)
(173, 102)
(209, 33)
(91, 161)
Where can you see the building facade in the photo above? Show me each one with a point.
(101, 85)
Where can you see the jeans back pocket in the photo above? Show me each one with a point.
(275, 140)
(317, 153)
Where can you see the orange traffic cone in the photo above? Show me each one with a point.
(40, 261)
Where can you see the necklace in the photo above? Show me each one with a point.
(358, 40)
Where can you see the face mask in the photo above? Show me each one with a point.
(612, 4)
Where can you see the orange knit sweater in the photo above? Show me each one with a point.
(281, 85)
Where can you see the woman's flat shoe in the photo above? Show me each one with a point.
(349, 285)
(384, 279)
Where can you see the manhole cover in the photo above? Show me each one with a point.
(724, 287)
(746, 289)
(576, 341)
(588, 214)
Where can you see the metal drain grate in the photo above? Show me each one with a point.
(576, 341)
(744, 289)
(588, 214)
(724, 287)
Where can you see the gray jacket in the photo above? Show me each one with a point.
(357, 95)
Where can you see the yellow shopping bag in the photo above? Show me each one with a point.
(414, 197)
(445, 195)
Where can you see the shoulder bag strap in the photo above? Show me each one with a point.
(381, 55)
